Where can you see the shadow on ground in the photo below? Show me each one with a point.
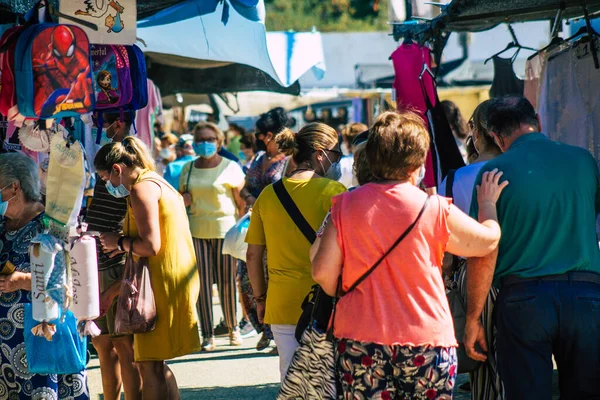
(260, 392)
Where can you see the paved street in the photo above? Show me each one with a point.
(229, 373)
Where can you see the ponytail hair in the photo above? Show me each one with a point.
(301, 145)
(131, 152)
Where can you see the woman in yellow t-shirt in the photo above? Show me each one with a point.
(211, 188)
(315, 151)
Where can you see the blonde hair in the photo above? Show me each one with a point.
(397, 145)
(131, 152)
(352, 130)
(213, 127)
(301, 145)
(169, 138)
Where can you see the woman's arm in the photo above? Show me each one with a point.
(469, 238)
(144, 203)
(328, 260)
(256, 272)
(239, 201)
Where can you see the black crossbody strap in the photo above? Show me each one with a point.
(293, 211)
(450, 183)
(400, 239)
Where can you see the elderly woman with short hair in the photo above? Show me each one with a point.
(21, 220)
(211, 188)
(401, 344)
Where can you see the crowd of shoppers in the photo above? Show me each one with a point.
(518, 223)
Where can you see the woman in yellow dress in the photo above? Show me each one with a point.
(153, 229)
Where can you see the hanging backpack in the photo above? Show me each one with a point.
(139, 78)
(112, 76)
(8, 88)
(54, 77)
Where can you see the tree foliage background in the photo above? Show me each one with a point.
(327, 15)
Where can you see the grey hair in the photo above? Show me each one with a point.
(18, 167)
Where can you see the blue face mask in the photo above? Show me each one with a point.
(205, 149)
(119, 192)
(4, 204)
(242, 156)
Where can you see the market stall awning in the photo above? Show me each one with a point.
(195, 49)
(479, 15)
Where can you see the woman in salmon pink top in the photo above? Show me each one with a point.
(395, 331)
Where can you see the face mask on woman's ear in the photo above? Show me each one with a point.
(421, 176)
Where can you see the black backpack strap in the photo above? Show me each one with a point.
(450, 183)
(293, 211)
(400, 239)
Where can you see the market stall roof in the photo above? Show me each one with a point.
(479, 15)
(193, 48)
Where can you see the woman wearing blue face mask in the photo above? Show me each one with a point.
(211, 188)
(153, 229)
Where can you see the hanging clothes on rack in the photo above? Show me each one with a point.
(408, 60)
(534, 70)
(145, 117)
(505, 82)
(569, 102)
(445, 153)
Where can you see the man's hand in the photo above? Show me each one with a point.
(474, 333)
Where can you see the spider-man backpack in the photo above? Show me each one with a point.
(53, 71)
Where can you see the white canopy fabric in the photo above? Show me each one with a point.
(284, 56)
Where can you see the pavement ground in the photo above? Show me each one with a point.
(231, 373)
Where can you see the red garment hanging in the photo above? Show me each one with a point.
(408, 60)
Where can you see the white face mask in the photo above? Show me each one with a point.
(335, 169)
(421, 175)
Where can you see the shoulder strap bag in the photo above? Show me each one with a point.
(293, 211)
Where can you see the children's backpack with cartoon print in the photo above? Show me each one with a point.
(53, 72)
(8, 85)
(112, 76)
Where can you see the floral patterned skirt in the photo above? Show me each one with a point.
(16, 382)
(373, 371)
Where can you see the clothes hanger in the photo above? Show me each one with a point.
(591, 33)
(512, 45)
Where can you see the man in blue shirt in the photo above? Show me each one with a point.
(185, 153)
(547, 265)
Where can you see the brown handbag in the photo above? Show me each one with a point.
(136, 310)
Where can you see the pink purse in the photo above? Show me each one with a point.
(136, 310)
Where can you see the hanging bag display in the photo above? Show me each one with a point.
(136, 310)
(8, 85)
(53, 72)
(66, 181)
(311, 374)
(139, 78)
(112, 76)
(63, 353)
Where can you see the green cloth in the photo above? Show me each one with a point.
(548, 211)
(235, 146)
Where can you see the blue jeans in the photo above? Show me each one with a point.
(537, 319)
